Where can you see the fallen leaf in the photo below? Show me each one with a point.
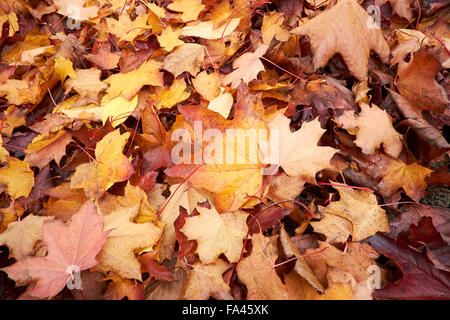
(217, 233)
(21, 236)
(358, 207)
(258, 273)
(205, 280)
(18, 178)
(374, 128)
(117, 254)
(247, 67)
(416, 82)
(109, 167)
(187, 58)
(345, 29)
(83, 239)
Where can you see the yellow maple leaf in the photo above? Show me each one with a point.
(18, 178)
(117, 253)
(118, 109)
(169, 38)
(217, 233)
(64, 68)
(168, 97)
(190, 9)
(109, 167)
(360, 208)
(128, 84)
(125, 28)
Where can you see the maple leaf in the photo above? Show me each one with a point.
(207, 29)
(190, 9)
(416, 82)
(120, 288)
(118, 109)
(205, 280)
(83, 239)
(356, 260)
(247, 67)
(272, 27)
(11, 17)
(421, 280)
(102, 56)
(21, 236)
(87, 83)
(410, 177)
(47, 147)
(257, 270)
(217, 233)
(207, 85)
(360, 208)
(180, 195)
(125, 28)
(109, 167)
(169, 38)
(64, 68)
(374, 128)
(298, 152)
(299, 289)
(230, 183)
(168, 97)
(222, 104)
(187, 58)
(412, 214)
(301, 266)
(128, 84)
(18, 178)
(345, 29)
(4, 154)
(117, 253)
(418, 123)
(64, 202)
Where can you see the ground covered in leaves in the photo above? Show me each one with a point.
(109, 191)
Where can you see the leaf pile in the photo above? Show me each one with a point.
(93, 92)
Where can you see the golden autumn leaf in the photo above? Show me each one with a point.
(257, 271)
(205, 280)
(87, 83)
(409, 177)
(358, 207)
(47, 147)
(169, 38)
(64, 68)
(117, 254)
(17, 177)
(187, 58)
(272, 27)
(180, 195)
(125, 28)
(128, 84)
(374, 129)
(217, 233)
(109, 166)
(190, 9)
(224, 150)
